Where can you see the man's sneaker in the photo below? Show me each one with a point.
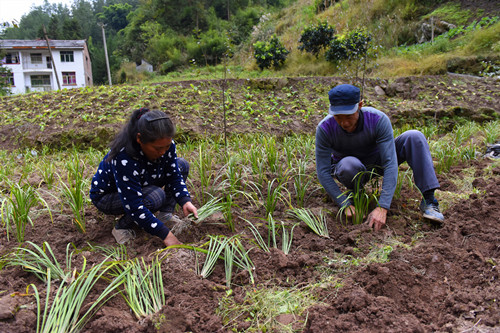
(123, 235)
(431, 211)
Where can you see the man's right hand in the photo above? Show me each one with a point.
(171, 240)
(350, 212)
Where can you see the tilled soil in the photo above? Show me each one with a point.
(437, 278)
(444, 279)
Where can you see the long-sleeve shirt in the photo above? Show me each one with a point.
(128, 175)
(372, 143)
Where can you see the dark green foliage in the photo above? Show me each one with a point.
(4, 80)
(209, 48)
(337, 51)
(71, 30)
(115, 16)
(321, 5)
(270, 53)
(353, 47)
(315, 38)
(123, 77)
(242, 24)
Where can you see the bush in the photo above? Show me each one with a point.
(209, 48)
(270, 54)
(354, 46)
(4, 81)
(315, 38)
(243, 23)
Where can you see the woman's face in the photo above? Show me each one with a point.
(154, 149)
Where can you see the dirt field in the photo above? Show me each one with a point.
(437, 279)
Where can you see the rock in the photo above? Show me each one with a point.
(425, 33)
(379, 91)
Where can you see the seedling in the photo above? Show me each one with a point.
(70, 309)
(360, 198)
(16, 209)
(40, 260)
(211, 207)
(316, 223)
(143, 287)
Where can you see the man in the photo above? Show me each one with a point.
(353, 139)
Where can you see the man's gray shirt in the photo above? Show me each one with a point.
(372, 143)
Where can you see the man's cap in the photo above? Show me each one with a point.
(344, 99)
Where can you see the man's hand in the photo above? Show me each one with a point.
(377, 218)
(189, 208)
(350, 212)
(171, 240)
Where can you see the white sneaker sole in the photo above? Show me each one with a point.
(433, 218)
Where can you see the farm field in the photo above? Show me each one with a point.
(412, 276)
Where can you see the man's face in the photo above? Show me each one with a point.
(348, 121)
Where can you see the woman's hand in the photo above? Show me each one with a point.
(171, 240)
(189, 208)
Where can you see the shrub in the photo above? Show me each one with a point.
(315, 38)
(270, 54)
(353, 46)
(4, 80)
(209, 48)
(243, 23)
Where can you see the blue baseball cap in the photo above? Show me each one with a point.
(344, 99)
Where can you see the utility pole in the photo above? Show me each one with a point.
(106, 53)
(51, 57)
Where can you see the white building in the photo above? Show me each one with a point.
(31, 66)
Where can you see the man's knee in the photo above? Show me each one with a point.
(347, 169)
(413, 136)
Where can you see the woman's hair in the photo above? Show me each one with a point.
(151, 125)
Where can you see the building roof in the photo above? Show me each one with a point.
(41, 44)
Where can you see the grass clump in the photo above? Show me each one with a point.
(143, 286)
(16, 208)
(262, 308)
(70, 309)
(316, 223)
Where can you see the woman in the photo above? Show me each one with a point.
(141, 175)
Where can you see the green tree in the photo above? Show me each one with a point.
(115, 16)
(270, 53)
(354, 46)
(4, 80)
(209, 48)
(315, 38)
(243, 22)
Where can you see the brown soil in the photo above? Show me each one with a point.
(444, 280)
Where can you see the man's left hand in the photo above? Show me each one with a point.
(377, 218)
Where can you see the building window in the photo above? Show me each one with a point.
(40, 80)
(67, 56)
(36, 58)
(69, 78)
(11, 58)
